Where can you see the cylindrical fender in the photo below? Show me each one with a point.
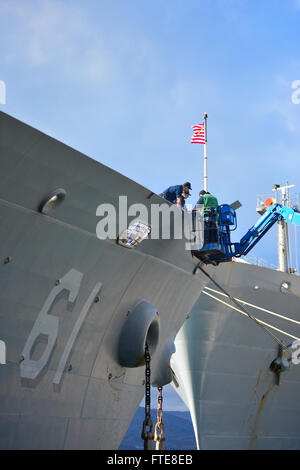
(141, 326)
(162, 374)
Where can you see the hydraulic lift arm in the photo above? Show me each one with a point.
(223, 249)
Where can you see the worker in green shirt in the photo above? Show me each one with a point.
(210, 206)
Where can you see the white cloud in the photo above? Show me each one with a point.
(56, 34)
(87, 44)
(280, 103)
(290, 115)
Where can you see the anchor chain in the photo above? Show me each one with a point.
(159, 432)
(147, 434)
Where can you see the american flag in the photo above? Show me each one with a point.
(199, 134)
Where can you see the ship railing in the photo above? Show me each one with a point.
(255, 260)
(293, 201)
(252, 259)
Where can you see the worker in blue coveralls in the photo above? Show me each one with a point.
(177, 194)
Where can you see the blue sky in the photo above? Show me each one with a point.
(123, 81)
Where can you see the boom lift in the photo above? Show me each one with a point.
(222, 249)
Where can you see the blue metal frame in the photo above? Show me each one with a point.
(223, 250)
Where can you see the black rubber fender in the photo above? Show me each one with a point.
(142, 325)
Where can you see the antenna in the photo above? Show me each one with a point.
(282, 197)
(283, 232)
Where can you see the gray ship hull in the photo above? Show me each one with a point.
(66, 297)
(222, 361)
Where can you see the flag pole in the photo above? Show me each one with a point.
(205, 152)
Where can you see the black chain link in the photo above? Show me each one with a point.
(147, 434)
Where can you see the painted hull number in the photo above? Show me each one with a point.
(47, 325)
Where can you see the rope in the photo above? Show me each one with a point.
(257, 307)
(240, 311)
(242, 308)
